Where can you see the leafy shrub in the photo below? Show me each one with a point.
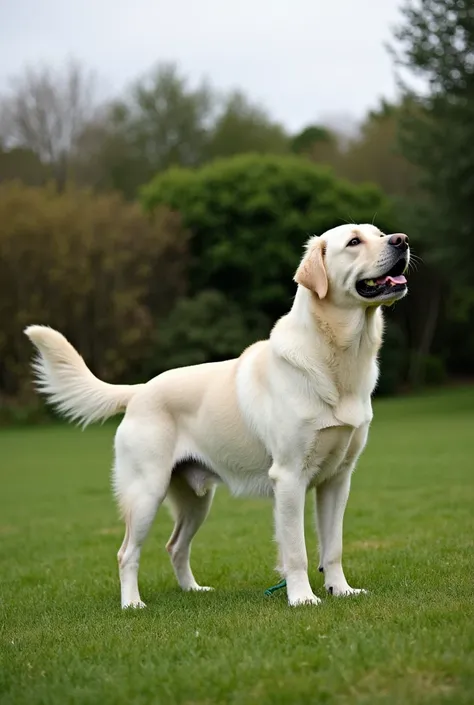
(205, 327)
(250, 215)
(92, 266)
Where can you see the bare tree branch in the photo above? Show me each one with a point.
(47, 110)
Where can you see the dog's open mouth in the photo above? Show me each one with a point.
(390, 283)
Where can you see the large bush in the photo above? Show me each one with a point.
(94, 267)
(249, 216)
(207, 326)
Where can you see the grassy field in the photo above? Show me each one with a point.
(408, 539)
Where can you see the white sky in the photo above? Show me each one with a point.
(304, 60)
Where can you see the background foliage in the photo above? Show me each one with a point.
(88, 266)
(163, 228)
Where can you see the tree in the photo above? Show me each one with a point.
(375, 154)
(304, 141)
(161, 122)
(166, 120)
(46, 111)
(319, 144)
(435, 44)
(241, 126)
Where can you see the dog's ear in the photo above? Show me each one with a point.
(312, 271)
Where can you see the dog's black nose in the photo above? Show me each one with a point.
(400, 241)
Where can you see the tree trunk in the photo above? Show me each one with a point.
(427, 335)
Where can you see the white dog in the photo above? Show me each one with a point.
(290, 414)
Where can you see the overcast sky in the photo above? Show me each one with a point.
(303, 59)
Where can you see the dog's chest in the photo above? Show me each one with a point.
(355, 378)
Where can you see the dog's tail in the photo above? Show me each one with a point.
(66, 381)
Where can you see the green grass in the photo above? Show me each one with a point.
(408, 539)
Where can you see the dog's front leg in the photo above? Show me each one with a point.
(331, 499)
(290, 491)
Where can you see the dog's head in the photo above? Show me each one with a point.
(356, 265)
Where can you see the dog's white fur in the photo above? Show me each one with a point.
(290, 414)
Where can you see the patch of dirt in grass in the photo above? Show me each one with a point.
(372, 544)
(8, 530)
(111, 531)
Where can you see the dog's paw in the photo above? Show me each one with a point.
(135, 605)
(344, 590)
(201, 588)
(304, 599)
(194, 587)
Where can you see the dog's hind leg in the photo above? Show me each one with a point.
(142, 476)
(189, 511)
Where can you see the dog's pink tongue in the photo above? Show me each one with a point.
(400, 279)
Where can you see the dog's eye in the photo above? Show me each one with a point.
(355, 241)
